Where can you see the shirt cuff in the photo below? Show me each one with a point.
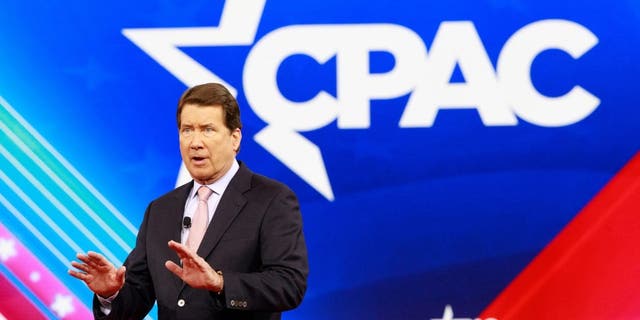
(105, 303)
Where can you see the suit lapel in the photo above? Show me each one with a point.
(181, 199)
(229, 207)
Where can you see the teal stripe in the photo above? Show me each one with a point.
(59, 183)
(49, 160)
(57, 215)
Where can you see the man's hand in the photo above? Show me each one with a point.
(98, 273)
(196, 272)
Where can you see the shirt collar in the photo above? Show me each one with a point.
(219, 185)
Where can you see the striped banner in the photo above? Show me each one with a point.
(33, 275)
(55, 212)
(14, 304)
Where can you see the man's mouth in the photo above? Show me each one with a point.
(198, 160)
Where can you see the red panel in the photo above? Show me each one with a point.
(14, 305)
(591, 270)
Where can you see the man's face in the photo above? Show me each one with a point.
(207, 146)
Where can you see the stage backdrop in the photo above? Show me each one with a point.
(436, 147)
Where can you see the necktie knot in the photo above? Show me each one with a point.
(204, 193)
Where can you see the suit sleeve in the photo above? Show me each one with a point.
(137, 296)
(281, 282)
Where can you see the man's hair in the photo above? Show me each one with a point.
(212, 94)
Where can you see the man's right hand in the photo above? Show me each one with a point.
(98, 273)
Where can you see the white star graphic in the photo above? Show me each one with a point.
(238, 26)
(62, 305)
(448, 315)
(34, 276)
(7, 249)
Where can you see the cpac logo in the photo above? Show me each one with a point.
(500, 96)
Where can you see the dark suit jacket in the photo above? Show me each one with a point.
(255, 239)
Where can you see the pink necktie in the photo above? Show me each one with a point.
(200, 219)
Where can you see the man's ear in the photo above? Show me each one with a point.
(237, 138)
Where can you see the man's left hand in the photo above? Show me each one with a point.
(195, 271)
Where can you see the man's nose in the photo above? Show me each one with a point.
(196, 141)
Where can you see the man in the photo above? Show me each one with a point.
(227, 245)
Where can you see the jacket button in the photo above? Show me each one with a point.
(181, 303)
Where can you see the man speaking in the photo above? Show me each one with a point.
(227, 245)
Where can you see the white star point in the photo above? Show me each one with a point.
(62, 305)
(34, 276)
(7, 249)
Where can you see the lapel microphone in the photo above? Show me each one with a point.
(186, 222)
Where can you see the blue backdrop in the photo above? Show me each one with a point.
(400, 220)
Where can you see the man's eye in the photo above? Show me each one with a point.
(187, 131)
(208, 131)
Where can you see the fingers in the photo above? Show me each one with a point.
(183, 251)
(174, 268)
(93, 264)
(188, 258)
(98, 259)
(120, 274)
(80, 275)
(85, 274)
(80, 266)
(87, 260)
(94, 260)
(178, 247)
